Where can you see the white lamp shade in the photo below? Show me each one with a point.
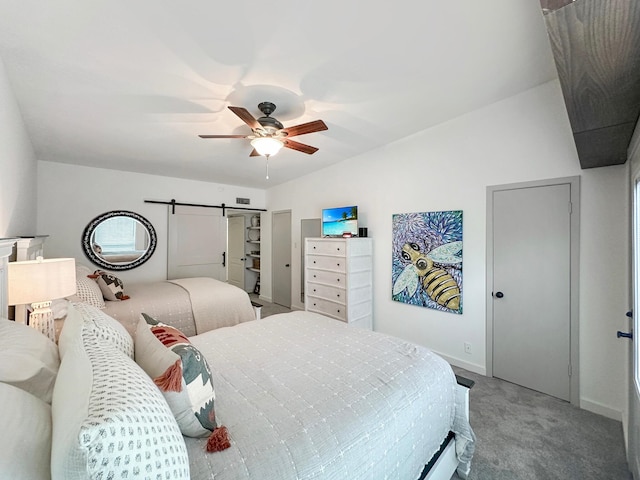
(266, 145)
(41, 280)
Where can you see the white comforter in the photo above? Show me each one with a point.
(308, 397)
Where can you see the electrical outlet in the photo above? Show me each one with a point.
(467, 348)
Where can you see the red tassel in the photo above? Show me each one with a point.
(218, 440)
(171, 379)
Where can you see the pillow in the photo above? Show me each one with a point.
(82, 270)
(111, 286)
(110, 420)
(25, 442)
(89, 291)
(183, 375)
(104, 327)
(28, 359)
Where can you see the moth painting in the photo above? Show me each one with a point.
(427, 260)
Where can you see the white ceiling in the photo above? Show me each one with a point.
(130, 84)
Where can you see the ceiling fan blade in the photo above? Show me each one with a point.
(254, 153)
(223, 136)
(301, 147)
(246, 117)
(304, 128)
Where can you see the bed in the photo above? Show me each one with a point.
(302, 396)
(326, 401)
(194, 305)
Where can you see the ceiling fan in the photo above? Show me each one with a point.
(268, 135)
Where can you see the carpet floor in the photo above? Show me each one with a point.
(526, 435)
(267, 307)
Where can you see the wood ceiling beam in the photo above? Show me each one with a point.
(596, 47)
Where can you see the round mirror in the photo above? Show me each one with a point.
(119, 240)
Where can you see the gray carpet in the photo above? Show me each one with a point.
(268, 308)
(526, 435)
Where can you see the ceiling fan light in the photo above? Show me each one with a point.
(266, 146)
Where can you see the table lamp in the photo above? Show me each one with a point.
(38, 282)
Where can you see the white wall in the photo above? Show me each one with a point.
(17, 167)
(448, 167)
(71, 196)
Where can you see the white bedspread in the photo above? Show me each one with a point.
(216, 304)
(308, 397)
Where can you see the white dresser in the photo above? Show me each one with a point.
(339, 278)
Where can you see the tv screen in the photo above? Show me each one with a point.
(339, 222)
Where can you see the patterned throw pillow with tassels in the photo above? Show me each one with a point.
(111, 286)
(184, 378)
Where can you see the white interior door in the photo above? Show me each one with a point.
(281, 259)
(235, 250)
(197, 240)
(531, 288)
(633, 452)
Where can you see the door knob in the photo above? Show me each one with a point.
(499, 295)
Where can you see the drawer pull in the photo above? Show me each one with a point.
(337, 279)
(338, 295)
(314, 275)
(338, 264)
(338, 310)
(314, 290)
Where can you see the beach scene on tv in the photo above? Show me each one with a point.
(337, 222)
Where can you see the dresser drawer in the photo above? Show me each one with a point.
(329, 247)
(326, 307)
(336, 264)
(336, 294)
(330, 278)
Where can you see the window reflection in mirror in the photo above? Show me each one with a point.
(119, 240)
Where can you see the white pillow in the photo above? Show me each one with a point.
(28, 359)
(82, 270)
(71, 332)
(108, 329)
(110, 420)
(25, 442)
(89, 291)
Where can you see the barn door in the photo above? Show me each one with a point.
(197, 239)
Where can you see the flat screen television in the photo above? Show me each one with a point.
(340, 222)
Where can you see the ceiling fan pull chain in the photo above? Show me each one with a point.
(267, 166)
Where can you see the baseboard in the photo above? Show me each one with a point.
(265, 299)
(472, 367)
(600, 409)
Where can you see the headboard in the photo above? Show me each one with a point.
(6, 248)
(30, 248)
